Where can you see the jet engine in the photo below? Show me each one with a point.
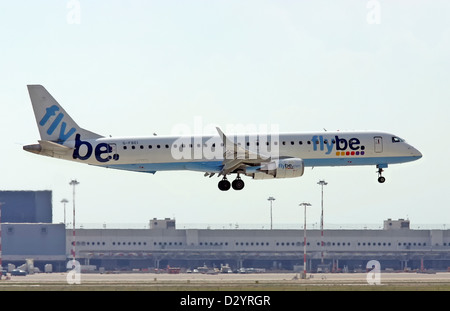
(281, 168)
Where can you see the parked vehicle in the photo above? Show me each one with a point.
(18, 272)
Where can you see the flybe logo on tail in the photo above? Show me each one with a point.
(63, 135)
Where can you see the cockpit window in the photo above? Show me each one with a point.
(397, 140)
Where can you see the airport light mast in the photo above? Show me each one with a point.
(64, 201)
(322, 183)
(271, 199)
(73, 183)
(304, 204)
(1, 267)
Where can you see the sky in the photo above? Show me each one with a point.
(134, 68)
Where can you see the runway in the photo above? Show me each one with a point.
(227, 282)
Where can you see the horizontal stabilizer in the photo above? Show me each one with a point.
(47, 148)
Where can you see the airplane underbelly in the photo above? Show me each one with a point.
(200, 166)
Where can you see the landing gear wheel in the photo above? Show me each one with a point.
(224, 185)
(238, 184)
(381, 179)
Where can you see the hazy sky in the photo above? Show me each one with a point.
(132, 68)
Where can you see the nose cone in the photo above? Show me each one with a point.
(415, 153)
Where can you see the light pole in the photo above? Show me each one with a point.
(304, 204)
(64, 201)
(271, 199)
(1, 263)
(322, 183)
(73, 183)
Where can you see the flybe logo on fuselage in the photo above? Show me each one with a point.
(83, 151)
(342, 145)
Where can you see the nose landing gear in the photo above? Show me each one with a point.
(381, 179)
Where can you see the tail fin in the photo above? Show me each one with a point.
(53, 121)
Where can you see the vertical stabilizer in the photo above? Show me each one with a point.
(53, 122)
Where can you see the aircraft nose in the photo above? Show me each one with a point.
(415, 153)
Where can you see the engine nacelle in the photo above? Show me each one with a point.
(284, 168)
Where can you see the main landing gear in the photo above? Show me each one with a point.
(237, 184)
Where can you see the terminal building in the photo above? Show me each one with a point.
(396, 246)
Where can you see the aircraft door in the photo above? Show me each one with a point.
(378, 143)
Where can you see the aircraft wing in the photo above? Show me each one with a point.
(236, 156)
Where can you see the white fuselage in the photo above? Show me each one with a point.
(206, 153)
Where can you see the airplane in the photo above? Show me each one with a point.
(259, 155)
